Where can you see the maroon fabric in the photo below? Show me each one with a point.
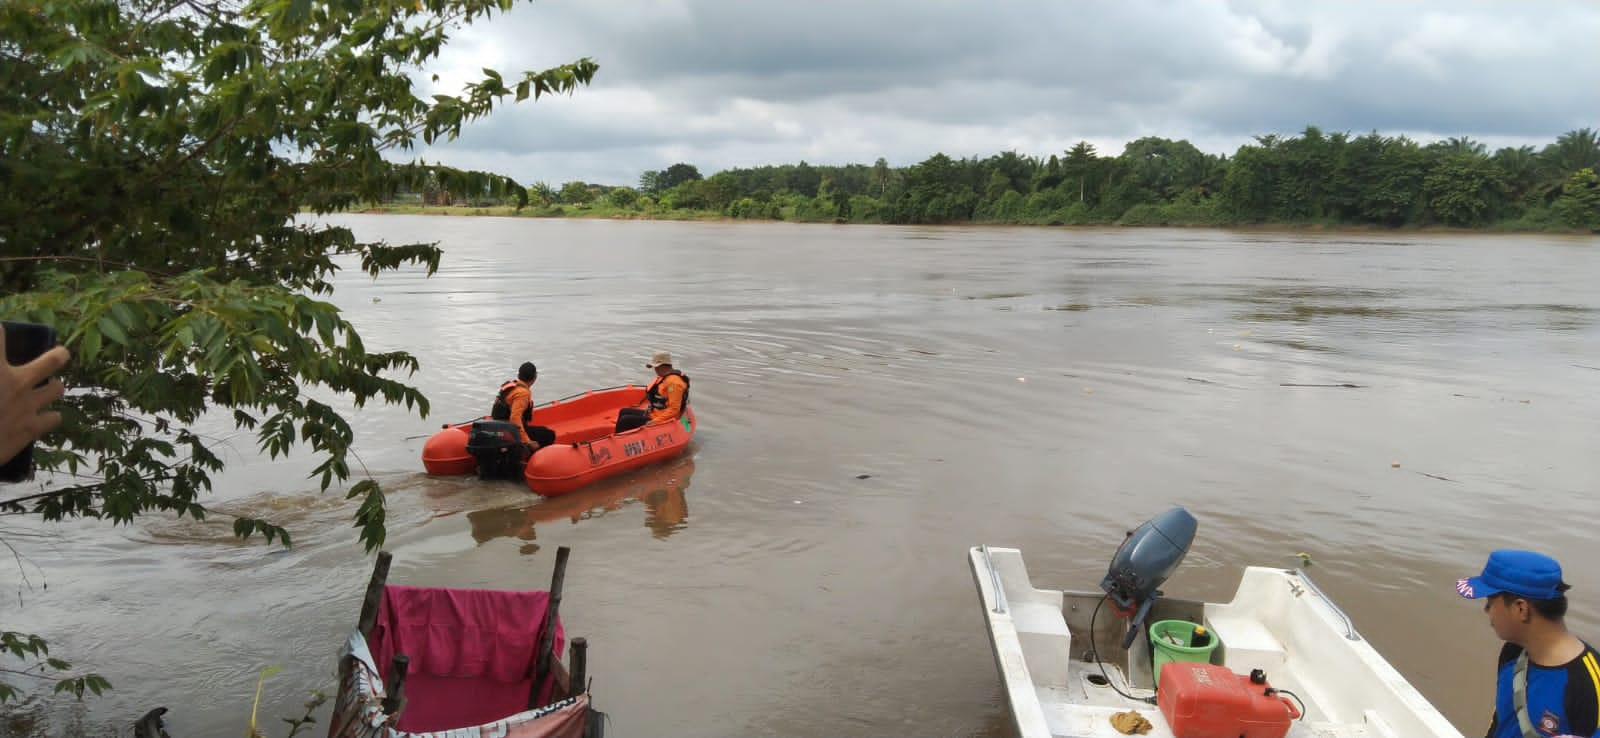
(472, 652)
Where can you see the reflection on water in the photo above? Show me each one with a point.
(661, 487)
(666, 511)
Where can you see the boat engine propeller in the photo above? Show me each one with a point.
(1147, 556)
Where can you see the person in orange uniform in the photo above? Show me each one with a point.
(665, 398)
(514, 404)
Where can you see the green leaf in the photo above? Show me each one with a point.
(109, 328)
(89, 349)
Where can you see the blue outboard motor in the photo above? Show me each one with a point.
(1145, 559)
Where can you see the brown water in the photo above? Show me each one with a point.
(759, 587)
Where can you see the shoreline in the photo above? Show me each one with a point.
(506, 211)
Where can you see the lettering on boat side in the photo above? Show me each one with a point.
(602, 454)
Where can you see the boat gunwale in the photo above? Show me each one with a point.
(1019, 682)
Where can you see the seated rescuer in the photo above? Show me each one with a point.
(1547, 680)
(665, 398)
(515, 400)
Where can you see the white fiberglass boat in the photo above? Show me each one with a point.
(1285, 661)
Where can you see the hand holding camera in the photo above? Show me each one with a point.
(27, 387)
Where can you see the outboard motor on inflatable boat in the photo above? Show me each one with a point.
(498, 448)
(1145, 559)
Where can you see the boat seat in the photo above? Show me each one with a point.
(1247, 644)
(1046, 642)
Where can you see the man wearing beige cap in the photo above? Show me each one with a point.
(665, 398)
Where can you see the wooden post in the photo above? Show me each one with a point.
(547, 631)
(580, 667)
(395, 685)
(369, 604)
(369, 615)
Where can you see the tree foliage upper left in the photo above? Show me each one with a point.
(156, 160)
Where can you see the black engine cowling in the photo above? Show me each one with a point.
(498, 448)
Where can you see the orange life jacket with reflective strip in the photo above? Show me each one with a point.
(502, 403)
(658, 401)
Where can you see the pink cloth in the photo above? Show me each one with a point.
(472, 652)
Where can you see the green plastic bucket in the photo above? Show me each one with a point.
(1164, 650)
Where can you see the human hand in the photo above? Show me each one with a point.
(23, 417)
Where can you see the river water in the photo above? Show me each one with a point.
(874, 400)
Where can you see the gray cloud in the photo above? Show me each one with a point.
(723, 83)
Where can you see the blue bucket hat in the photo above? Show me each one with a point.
(1522, 573)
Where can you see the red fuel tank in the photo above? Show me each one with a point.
(1209, 701)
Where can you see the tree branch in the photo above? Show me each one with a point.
(15, 501)
(88, 260)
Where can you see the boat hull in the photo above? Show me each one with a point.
(562, 468)
(1066, 674)
(445, 452)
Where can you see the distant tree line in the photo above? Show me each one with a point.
(1311, 178)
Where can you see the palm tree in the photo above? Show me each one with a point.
(1572, 151)
(1521, 166)
(880, 175)
(1460, 145)
(1080, 160)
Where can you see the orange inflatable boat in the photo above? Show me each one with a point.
(585, 450)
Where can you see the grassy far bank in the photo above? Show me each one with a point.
(599, 211)
(1313, 180)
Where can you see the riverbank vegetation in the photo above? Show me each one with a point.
(1310, 179)
(153, 159)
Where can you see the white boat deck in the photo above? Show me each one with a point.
(1277, 621)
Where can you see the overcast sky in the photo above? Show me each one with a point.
(738, 83)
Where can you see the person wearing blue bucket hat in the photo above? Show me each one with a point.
(1548, 681)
